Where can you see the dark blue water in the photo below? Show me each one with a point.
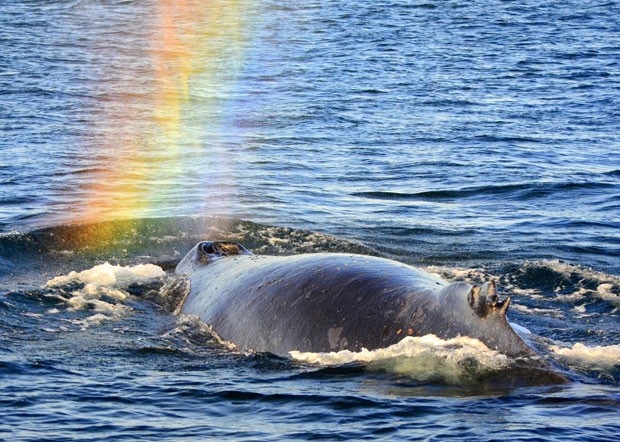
(477, 140)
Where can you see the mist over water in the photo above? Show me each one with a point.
(475, 140)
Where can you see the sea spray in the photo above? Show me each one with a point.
(425, 359)
(103, 289)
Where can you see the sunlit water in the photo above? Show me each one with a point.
(477, 140)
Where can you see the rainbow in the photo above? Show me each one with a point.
(151, 138)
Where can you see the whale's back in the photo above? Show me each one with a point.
(311, 302)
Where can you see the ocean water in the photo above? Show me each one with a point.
(477, 140)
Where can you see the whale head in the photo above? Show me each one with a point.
(477, 311)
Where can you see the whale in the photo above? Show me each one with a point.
(328, 302)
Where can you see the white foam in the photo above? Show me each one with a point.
(581, 311)
(423, 358)
(33, 315)
(568, 269)
(190, 324)
(109, 275)
(96, 319)
(461, 274)
(577, 295)
(605, 357)
(548, 312)
(530, 293)
(278, 241)
(604, 291)
(104, 289)
(608, 285)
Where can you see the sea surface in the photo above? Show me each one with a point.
(476, 140)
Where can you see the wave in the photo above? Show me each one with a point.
(40, 367)
(462, 361)
(191, 330)
(613, 173)
(164, 238)
(104, 290)
(162, 241)
(606, 357)
(521, 191)
(560, 281)
(569, 282)
(424, 359)
(99, 275)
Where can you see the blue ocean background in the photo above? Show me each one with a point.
(475, 139)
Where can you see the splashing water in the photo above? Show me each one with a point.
(425, 359)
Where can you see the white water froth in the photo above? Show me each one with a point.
(112, 276)
(607, 286)
(104, 289)
(190, 325)
(602, 357)
(459, 274)
(426, 358)
(548, 312)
